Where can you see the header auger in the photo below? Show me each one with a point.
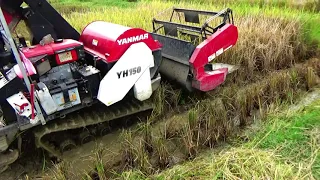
(108, 69)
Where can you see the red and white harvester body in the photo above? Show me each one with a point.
(106, 72)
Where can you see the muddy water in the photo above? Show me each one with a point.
(307, 100)
(82, 160)
(79, 161)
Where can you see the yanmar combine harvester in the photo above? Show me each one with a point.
(109, 68)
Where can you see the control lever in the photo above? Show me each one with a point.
(32, 100)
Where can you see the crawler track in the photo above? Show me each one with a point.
(96, 115)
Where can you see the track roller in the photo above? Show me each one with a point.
(67, 145)
(104, 130)
(85, 137)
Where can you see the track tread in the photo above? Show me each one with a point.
(7, 159)
(84, 119)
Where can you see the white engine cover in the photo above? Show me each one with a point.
(132, 69)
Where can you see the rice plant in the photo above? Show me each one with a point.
(99, 164)
(127, 150)
(162, 153)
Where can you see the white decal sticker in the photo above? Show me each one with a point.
(220, 51)
(210, 58)
(133, 39)
(95, 42)
(228, 47)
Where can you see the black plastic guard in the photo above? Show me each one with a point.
(192, 17)
(175, 49)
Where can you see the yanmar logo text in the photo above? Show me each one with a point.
(133, 39)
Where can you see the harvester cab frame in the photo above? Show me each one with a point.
(192, 16)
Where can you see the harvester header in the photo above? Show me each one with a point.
(192, 40)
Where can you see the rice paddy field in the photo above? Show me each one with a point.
(262, 123)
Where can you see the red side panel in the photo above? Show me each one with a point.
(219, 42)
(208, 82)
(110, 41)
(65, 51)
(67, 46)
(7, 16)
(37, 50)
(11, 19)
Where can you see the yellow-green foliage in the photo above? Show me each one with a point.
(140, 16)
(310, 5)
(266, 42)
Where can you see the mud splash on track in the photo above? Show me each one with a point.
(79, 160)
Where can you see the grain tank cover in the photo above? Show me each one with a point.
(110, 41)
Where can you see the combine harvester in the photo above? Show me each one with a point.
(108, 67)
